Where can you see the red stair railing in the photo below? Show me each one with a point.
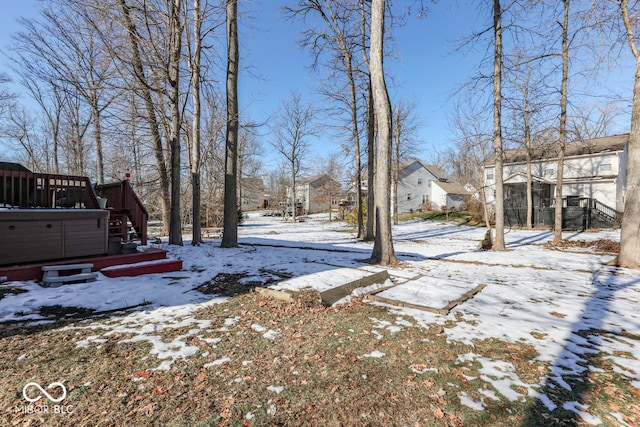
(124, 206)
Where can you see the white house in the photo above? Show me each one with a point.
(594, 170)
(316, 194)
(419, 184)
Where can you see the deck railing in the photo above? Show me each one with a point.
(606, 211)
(121, 197)
(23, 189)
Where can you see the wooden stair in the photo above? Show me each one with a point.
(34, 271)
(128, 215)
(140, 268)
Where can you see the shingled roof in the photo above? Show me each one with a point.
(575, 148)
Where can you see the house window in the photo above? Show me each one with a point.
(429, 183)
(549, 172)
(419, 181)
(605, 165)
(489, 177)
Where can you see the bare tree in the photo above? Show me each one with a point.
(591, 121)
(196, 146)
(291, 129)
(629, 255)
(562, 142)
(339, 38)
(144, 88)
(175, 55)
(369, 235)
(524, 106)
(383, 252)
(74, 60)
(497, 125)
(473, 145)
(7, 98)
(371, 167)
(230, 233)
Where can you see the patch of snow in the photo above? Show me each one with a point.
(217, 362)
(533, 296)
(258, 328)
(375, 354)
(581, 411)
(467, 400)
(270, 334)
(276, 389)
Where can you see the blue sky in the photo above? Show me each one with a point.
(424, 66)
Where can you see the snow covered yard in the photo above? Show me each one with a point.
(552, 336)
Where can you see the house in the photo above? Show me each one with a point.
(316, 194)
(252, 194)
(594, 177)
(420, 184)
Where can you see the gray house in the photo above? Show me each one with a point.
(420, 184)
(316, 194)
(252, 193)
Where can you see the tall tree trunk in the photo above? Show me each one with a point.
(97, 134)
(497, 125)
(356, 140)
(527, 144)
(383, 252)
(175, 35)
(557, 223)
(370, 234)
(629, 255)
(196, 199)
(371, 137)
(230, 232)
(396, 166)
(145, 93)
(294, 184)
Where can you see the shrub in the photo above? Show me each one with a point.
(351, 217)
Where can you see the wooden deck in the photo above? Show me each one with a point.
(38, 235)
(34, 271)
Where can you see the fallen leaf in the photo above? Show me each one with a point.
(439, 414)
(144, 373)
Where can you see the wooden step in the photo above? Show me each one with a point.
(140, 268)
(56, 281)
(71, 273)
(34, 271)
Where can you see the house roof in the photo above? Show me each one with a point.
(408, 168)
(435, 172)
(14, 167)
(316, 181)
(451, 187)
(575, 148)
(253, 183)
